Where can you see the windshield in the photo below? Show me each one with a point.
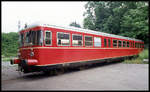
(32, 38)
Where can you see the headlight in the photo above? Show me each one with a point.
(32, 54)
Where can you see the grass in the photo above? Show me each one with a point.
(7, 58)
(139, 60)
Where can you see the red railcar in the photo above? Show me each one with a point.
(44, 47)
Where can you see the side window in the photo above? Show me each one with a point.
(138, 45)
(109, 43)
(124, 43)
(34, 35)
(88, 41)
(39, 37)
(127, 44)
(77, 40)
(119, 43)
(63, 39)
(105, 42)
(131, 44)
(48, 37)
(21, 38)
(135, 45)
(97, 41)
(141, 45)
(114, 43)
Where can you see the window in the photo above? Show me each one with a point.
(105, 42)
(124, 43)
(141, 45)
(34, 35)
(127, 44)
(114, 43)
(135, 45)
(48, 38)
(109, 43)
(39, 37)
(27, 38)
(88, 41)
(63, 39)
(138, 45)
(119, 43)
(97, 41)
(21, 38)
(131, 43)
(34, 38)
(77, 40)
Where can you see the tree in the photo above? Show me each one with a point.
(75, 24)
(9, 44)
(135, 22)
(120, 18)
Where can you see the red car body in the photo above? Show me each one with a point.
(54, 54)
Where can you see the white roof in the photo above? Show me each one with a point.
(82, 30)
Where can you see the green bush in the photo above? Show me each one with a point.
(9, 44)
(139, 60)
(144, 54)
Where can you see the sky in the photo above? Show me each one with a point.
(55, 13)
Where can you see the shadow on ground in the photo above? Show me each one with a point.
(58, 72)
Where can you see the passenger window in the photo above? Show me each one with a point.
(63, 39)
(135, 45)
(48, 37)
(105, 42)
(127, 44)
(77, 40)
(97, 41)
(124, 43)
(39, 37)
(114, 43)
(138, 45)
(131, 44)
(119, 43)
(141, 45)
(88, 41)
(109, 42)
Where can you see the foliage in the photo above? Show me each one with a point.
(119, 17)
(75, 24)
(139, 60)
(9, 44)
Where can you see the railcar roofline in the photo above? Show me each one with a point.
(80, 30)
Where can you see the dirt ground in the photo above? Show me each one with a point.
(113, 76)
